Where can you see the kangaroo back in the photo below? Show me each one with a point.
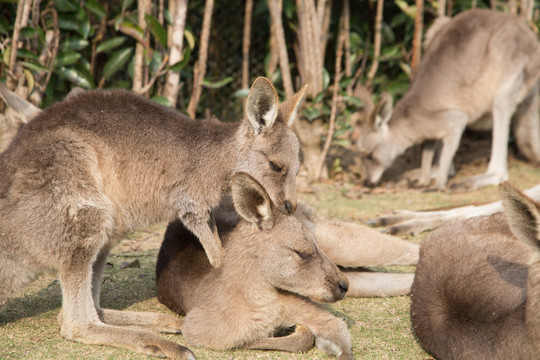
(475, 285)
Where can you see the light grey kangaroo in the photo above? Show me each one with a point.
(86, 171)
(479, 62)
(271, 269)
(476, 292)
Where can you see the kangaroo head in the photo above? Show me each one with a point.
(375, 144)
(273, 157)
(288, 256)
(522, 214)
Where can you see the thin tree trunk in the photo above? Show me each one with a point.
(199, 71)
(527, 9)
(12, 73)
(337, 78)
(376, 43)
(417, 39)
(274, 50)
(138, 70)
(246, 42)
(176, 46)
(282, 48)
(441, 8)
(347, 43)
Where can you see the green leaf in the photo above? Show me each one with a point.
(67, 22)
(96, 8)
(161, 100)
(5, 27)
(117, 61)
(74, 44)
(110, 44)
(242, 93)
(126, 4)
(27, 54)
(75, 76)
(326, 78)
(34, 66)
(217, 84)
(7, 54)
(29, 32)
(353, 100)
(186, 54)
(132, 30)
(190, 38)
(66, 58)
(29, 80)
(83, 26)
(65, 6)
(157, 30)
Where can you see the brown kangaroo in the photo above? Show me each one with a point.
(270, 266)
(271, 269)
(480, 62)
(476, 292)
(88, 170)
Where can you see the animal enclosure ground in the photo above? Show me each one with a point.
(379, 327)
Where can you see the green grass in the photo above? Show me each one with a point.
(379, 327)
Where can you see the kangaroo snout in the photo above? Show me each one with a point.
(289, 207)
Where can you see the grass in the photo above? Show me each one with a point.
(379, 327)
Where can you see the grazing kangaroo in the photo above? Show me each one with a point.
(271, 269)
(476, 290)
(480, 62)
(102, 163)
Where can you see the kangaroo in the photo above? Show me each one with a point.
(102, 163)
(271, 269)
(480, 62)
(476, 289)
(413, 222)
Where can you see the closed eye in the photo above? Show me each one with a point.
(302, 255)
(275, 167)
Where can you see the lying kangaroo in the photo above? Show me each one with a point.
(271, 265)
(102, 163)
(476, 290)
(414, 222)
(479, 62)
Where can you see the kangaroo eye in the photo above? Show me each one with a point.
(369, 156)
(275, 167)
(302, 255)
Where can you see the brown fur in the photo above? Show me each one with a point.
(88, 170)
(224, 306)
(476, 290)
(479, 62)
(272, 267)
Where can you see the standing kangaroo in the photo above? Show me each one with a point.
(476, 292)
(271, 269)
(480, 62)
(88, 170)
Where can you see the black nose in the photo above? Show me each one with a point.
(343, 286)
(369, 183)
(288, 207)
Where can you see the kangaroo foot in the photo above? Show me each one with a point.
(152, 321)
(477, 182)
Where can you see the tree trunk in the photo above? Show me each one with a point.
(417, 39)
(176, 45)
(441, 8)
(335, 102)
(12, 74)
(376, 43)
(199, 70)
(275, 14)
(138, 70)
(246, 42)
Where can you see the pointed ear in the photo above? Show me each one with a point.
(383, 111)
(262, 105)
(26, 109)
(289, 108)
(251, 201)
(522, 214)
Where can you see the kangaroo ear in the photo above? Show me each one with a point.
(251, 201)
(383, 111)
(522, 214)
(289, 108)
(26, 109)
(262, 105)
